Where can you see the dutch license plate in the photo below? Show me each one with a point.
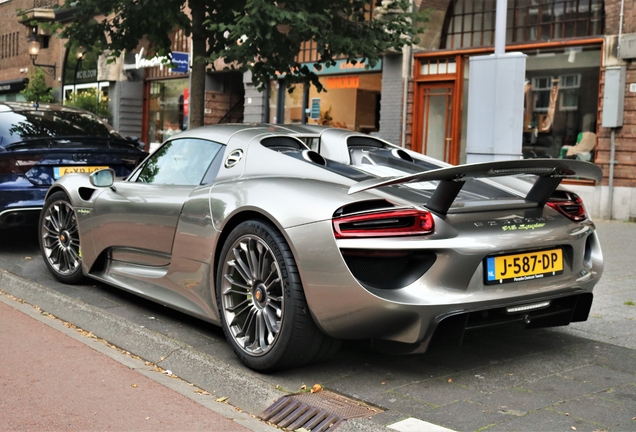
(523, 267)
(60, 171)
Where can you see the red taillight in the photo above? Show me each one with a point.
(21, 165)
(384, 224)
(571, 207)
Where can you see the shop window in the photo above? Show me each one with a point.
(167, 113)
(471, 23)
(560, 118)
(541, 87)
(438, 67)
(351, 101)
(569, 86)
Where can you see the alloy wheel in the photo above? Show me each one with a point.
(252, 295)
(60, 238)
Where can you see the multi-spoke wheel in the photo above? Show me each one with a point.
(59, 239)
(261, 300)
(252, 295)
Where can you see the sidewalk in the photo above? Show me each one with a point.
(56, 379)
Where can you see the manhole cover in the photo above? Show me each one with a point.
(315, 412)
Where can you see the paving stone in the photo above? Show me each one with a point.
(400, 402)
(437, 392)
(601, 376)
(467, 416)
(544, 420)
(516, 400)
(606, 414)
(564, 389)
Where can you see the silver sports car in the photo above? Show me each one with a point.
(291, 250)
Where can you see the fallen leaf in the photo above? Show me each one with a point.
(202, 392)
(134, 385)
(222, 399)
(316, 388)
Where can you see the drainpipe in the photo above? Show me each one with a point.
(620, 30)
(613, 130)
(408, 65)
(405, 91)
(611, 171)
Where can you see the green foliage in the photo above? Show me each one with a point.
(262, 36)
(37, 90)
(265, 37)
(91, 100)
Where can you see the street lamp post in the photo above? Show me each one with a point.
(34, 50)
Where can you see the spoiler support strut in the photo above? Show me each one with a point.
(549, 174)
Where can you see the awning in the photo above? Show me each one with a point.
(13, 86)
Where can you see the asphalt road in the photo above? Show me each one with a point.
(582, 376)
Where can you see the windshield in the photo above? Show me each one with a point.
(25, 125)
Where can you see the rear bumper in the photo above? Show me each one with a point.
(21, 206)
(447, 331)
(451, 292)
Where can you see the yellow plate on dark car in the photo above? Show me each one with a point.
(60, 171)
(523, 267)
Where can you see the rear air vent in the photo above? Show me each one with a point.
(399, 153)
(314, 157)
(281, 144)
(386, 269)
(364, 142)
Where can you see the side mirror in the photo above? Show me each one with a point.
(103, 178)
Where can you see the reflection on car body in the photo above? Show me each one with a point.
(292, 250)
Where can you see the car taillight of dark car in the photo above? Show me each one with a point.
(10, 164)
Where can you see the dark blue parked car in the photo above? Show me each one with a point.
(39, 144)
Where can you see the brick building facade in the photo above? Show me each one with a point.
(15, 61)
(602, 20)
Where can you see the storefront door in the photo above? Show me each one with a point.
(435, 110)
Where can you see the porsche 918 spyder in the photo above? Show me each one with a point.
(291, 251)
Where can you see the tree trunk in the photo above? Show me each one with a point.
(197, 74)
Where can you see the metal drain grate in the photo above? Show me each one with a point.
(315, 412)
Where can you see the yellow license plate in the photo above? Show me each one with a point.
(523, 267)
(60, 171)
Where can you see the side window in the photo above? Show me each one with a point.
(179, 162)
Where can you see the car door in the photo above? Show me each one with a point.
(137, 218)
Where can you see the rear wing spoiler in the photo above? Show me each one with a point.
(549, 174)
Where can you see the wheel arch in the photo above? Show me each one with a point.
(237, 219)
(54, 189)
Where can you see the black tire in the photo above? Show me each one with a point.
(253, 257)
(59, 239)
